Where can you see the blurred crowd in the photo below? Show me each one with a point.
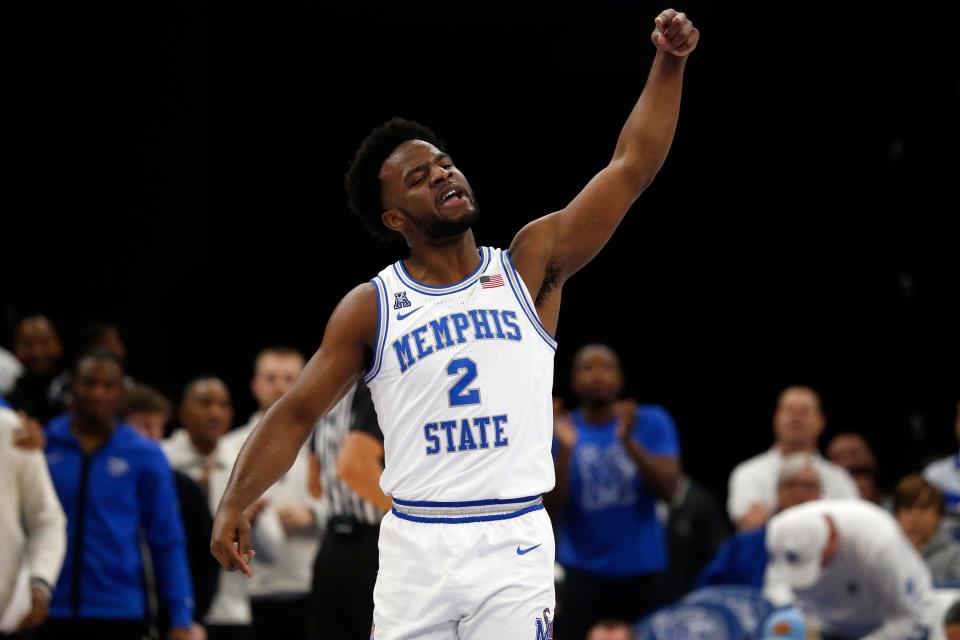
(109, 489)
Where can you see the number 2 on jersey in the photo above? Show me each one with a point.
(459, 394)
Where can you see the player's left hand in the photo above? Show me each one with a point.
(230, 540)
(626, 414)
(674, 33)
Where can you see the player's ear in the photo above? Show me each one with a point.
(394, 219)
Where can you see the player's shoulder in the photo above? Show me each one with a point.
(356, 318)
(365, 291)
(360, 302)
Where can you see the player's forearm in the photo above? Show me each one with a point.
(662, 474)
(648, 132)
(268, 453)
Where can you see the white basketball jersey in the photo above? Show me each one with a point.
(461, 381)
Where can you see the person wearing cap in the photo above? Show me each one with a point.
(850, 567)
(743, 558)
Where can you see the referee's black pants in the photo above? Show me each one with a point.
(343, 577)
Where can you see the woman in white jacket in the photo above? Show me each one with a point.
(32, 527)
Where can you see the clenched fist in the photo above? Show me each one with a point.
(675, 34)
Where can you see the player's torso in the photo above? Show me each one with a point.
(461, 381)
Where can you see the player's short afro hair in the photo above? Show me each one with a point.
(364, 193)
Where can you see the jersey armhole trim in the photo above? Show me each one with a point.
(523, 297)
(383, 323)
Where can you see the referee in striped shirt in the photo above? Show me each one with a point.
(349, 449)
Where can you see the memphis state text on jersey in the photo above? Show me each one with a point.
(461, 380)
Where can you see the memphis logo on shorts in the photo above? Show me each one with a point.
(545, 626)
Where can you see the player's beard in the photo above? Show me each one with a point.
(437, 228)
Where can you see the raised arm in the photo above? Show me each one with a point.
(272, 447)
(550, 249)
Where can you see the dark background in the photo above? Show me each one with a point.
(177, 168)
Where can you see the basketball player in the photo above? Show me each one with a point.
(458, 343)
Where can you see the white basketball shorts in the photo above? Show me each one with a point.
(465, 570)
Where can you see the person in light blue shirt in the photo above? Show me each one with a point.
(614, 460)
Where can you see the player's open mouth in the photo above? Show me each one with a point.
(451, 196)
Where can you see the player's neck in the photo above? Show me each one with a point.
(443, 263)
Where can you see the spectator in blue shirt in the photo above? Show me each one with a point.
(114, 486)
(614, 460)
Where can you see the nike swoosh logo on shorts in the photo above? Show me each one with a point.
(401, 316)
(520, 551)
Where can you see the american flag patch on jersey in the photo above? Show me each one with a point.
(490, 282)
